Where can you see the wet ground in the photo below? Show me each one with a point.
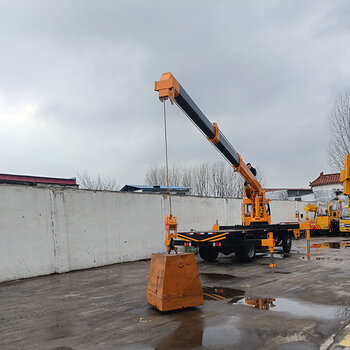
(300, 304)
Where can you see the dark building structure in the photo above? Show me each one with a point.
(288, 193)
(156, 189)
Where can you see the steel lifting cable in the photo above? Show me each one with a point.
(166, 157)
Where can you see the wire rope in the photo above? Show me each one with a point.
(166, 157)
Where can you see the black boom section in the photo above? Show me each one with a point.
(185, 102)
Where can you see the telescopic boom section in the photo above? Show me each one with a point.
(169, 88)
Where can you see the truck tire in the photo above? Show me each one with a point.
(278, 241)
(334, 228)
(287, 243)
(208, 253)
(245, 253)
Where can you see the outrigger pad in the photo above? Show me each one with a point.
(174, 282)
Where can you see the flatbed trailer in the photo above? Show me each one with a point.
(243, 240)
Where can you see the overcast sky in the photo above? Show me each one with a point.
(77, 80)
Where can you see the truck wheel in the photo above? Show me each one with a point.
(278, 241)
(334, 228)
(245, 253)
(208, 253)
(287, 244)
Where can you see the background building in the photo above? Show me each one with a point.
(292, 194)
(37, 180)
(327, 187)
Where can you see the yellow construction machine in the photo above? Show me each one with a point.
(332, 217)
(344, 221)
(324, 218)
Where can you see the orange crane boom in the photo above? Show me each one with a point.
(255, 206)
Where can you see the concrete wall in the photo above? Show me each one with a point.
(48, 230)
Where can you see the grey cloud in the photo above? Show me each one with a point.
(267, 72)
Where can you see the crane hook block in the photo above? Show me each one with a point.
(168, 87)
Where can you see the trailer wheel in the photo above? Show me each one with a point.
(287, 243)
(208, 253)
(245, 253)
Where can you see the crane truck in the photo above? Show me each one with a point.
(256, 230)
(324, 218)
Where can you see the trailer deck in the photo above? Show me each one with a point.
(229, 232)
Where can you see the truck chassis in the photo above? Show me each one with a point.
(243, 240)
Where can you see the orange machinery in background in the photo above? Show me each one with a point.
(344, 221)
(324, 217)
(345, 177)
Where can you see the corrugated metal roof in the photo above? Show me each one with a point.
(158, 187)
(326, 179)
(286, 189)
(155, 189)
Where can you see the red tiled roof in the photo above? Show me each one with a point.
(10, 178)
(326, 179)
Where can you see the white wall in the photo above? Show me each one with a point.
(284, 211)
(325, 193)
(48, 230)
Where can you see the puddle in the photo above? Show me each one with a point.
(297, 308)
(187, 331)
(332, 245)
(325, 258)
(191, 329)
(299, 345)
(217, 276)
(220, 293)
(223, 335)
(259, 303)
(339, 275)
(194, 331)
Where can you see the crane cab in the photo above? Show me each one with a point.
(255, 211)
(344, 220)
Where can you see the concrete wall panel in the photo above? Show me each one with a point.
(26, 233)
(48, 230)
(284, 211)
(200, 213)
